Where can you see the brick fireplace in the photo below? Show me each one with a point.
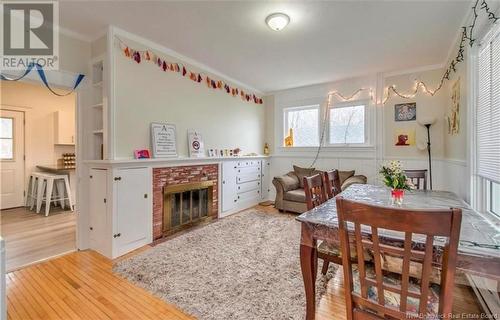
(166, 178)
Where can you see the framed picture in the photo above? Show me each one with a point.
(164, 140)
(405, 112)
(196, 145)
(404, 137)
(142, 154)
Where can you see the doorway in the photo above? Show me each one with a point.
(12, 159)
(38, 139)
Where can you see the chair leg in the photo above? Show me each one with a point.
(324, 269)
(48, 195)
(42, 182)
(60, 193)
(34, 191)
(68, 191)
(28, 193)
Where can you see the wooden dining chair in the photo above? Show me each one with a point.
(332, 183)
(416, 177)
(314, 190)
(372, 295)
(316, 194)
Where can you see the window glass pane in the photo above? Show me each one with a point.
(6, 125)
(495, 198)
(305, 126)
(6, 149)
(347, 125)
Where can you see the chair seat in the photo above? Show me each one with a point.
(392, 299)
(297, 195)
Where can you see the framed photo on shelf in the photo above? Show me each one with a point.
(163, 140)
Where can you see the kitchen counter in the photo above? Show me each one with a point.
(55, 168)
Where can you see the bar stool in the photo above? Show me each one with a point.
(31, 190)
(45, 189)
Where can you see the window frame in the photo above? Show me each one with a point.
(13, 158)
(347, 104)
(308, 106)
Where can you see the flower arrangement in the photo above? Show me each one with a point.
(394, 176)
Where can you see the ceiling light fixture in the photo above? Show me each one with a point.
(277, 21)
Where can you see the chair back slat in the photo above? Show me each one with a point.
(361, 261)
(418, 178)
(405, 279)
(314, 190)
(332, 183)
(422, 222)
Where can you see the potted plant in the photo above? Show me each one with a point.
(395, 179)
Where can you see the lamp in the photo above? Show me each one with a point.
(277, 21)
(428, 122)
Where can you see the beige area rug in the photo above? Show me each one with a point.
(245, 266)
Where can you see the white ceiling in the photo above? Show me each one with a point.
(325, 41)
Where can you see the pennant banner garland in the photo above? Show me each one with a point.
(149, 56)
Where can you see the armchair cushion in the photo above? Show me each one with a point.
(289, 181)
(297, 195)
(303, 172)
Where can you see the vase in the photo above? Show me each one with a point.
(397, 196)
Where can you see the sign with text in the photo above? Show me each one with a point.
(196, 145)
(163, 139)
(29, 34)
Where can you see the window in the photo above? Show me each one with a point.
(487, 121)
(6, 138)
(494, 198)
(304, 122)
(347, 124)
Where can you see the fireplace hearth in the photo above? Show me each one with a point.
(186, 205)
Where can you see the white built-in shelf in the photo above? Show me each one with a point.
(100, 131)
(97, 106)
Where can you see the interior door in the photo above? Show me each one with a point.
(11, 159)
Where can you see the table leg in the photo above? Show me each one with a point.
(309, 266)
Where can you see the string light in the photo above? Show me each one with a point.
(467, 34)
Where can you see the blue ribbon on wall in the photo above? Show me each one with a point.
(42, 75)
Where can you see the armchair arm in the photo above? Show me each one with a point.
(359, 179)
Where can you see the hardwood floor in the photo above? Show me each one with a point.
(81, 285)
(31, 237)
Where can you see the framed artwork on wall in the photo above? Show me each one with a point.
(405, 111)
(164, 140)
(196, 145)
(404, 137)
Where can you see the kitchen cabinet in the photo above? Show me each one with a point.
(64, 126)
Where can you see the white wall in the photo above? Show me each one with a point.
(145, 94)
(448, 173)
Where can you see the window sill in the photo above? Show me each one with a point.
(330, 148)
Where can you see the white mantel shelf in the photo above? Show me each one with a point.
(158, 162)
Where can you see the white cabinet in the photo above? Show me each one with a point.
(120, 217)
(266, 179)
(241, 185)
(132, 221)
(98, 217)
(64, 126)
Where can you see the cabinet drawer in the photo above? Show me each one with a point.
(249, 195)
(248, 163)
(248, 171)
(247, 178)
(248, 186)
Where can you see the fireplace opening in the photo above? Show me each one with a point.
(186, 205)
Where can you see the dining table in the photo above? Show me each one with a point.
(479, 243)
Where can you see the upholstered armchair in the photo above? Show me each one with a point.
(290, 195)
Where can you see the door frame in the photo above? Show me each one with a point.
(80, 219)
(6, 107)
